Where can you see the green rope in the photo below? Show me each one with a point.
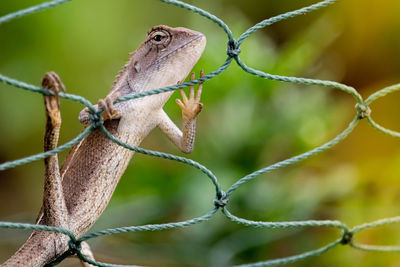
(295, 159)
(295, 258)
(31, 10)
(289, 224)
(150, 227)
(376, 248)
(36, 89)
(362, 110)
(203, 13)
(12, 164)
(37, 227)
(375, 224)
(176, 86)
(383, 129)
(381, 93)
(167, 156)
(291, 14)
(102, 264)
(348, 89)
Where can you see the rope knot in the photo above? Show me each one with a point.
(347, 237)
(74, 246)
(363, 110)
(221, 200)
(233, 49)
(96, 119)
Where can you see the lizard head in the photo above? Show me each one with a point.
(166, 57)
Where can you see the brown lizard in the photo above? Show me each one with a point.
(75, 196)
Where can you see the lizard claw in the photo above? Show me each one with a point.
(53, 82)
(191, 106)
(109, 112)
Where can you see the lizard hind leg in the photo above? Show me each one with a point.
(54, 208)
(87, 252)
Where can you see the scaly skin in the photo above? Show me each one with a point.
(76, 196)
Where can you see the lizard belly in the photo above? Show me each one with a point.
(94, 169)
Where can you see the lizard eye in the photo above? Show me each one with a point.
(160, 37)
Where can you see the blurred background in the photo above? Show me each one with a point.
(247, 123)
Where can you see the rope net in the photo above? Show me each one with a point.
(362, 111)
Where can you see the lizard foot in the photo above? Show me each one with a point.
(109, 112)
(52, 82)
(191, 106)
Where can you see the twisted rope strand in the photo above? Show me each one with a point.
(31, 10)
(203, 13)
(297, 158)
(288, 224)
(12, 164)
(348, 89)
(37, 227)
(166, 156)
(295, 258)
(36, 89)
(150, 227)
(176, 86)
(285, 16)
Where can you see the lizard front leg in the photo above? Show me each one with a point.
(109, 111)
(191, 107)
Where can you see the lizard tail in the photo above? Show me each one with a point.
(40, 248)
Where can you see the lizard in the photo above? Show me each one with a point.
(76, 195)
